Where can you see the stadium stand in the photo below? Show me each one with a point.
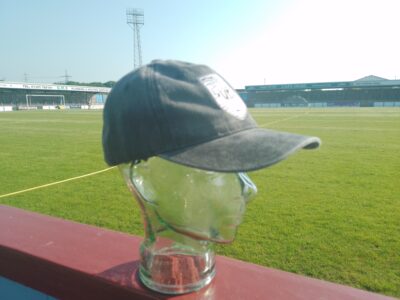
(21, 95)
(367, 91)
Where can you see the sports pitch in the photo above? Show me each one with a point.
(331, 213)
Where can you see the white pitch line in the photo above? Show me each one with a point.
(57, 182)
(282, 120)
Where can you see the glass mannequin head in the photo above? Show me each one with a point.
(204, 205)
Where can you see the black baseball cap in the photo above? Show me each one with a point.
(188, 114)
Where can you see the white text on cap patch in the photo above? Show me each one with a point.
(225, 96)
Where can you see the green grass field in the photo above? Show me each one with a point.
(333, 213)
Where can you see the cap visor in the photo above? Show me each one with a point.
(246, 150)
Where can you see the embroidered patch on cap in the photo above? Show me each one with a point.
(225, 96)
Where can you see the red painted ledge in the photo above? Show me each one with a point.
(68, 260)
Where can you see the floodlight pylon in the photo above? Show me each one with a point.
(135, 20)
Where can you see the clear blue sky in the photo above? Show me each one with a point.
(247, 42)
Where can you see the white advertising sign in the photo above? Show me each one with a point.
(53, 87)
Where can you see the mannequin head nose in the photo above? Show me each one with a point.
(249, 189)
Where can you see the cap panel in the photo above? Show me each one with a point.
(129, 132)
(187, 110)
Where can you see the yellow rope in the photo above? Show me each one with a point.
(54, 183)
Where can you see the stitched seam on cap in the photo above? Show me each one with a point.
(163, 114)
(154, 94)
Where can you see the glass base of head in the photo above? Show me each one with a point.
(177, 280)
